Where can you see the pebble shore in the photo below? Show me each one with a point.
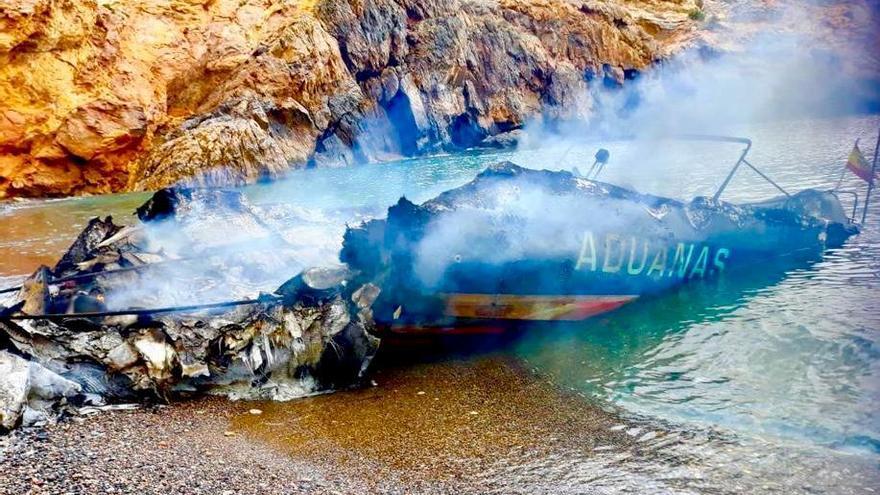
(476, 426)
(186, 448)
(427, 429)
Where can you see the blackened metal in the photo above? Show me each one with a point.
(262, 299)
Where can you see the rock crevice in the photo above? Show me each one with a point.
(102, 97)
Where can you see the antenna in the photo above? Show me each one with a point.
(602, 157)
(873, 177)
(565, 153)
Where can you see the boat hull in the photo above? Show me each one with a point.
(519, 246)
(530, 307)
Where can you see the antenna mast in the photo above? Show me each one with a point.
(873, 177)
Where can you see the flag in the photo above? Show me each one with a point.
(858, 165)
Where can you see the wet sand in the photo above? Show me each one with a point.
(184, 448)
(474, 424)
(429, 428)
(470, 425)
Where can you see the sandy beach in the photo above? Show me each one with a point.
(481, 423)
(420, 430)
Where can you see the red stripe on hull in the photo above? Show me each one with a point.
(505, 309)
(531, 308)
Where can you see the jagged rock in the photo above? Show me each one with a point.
(508, 139)
(260, 141)
(100, 97)
(101, 127)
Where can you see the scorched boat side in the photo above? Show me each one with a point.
(487, 256)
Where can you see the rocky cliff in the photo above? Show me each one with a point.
(111, 95)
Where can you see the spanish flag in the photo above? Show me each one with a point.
(859, 165)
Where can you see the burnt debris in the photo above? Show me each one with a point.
(311, 334)
(177, 304)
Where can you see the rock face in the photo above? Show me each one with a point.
(311, 334)
(110, 96)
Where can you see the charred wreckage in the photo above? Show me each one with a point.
(67, 342)
(486, 256)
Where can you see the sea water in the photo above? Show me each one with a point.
(769, 381)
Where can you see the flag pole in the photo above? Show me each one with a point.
(873, 176)
(842, 175)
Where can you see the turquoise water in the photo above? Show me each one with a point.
(784, 360)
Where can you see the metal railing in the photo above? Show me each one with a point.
(713, 138)
(855, 207)
(742, 159)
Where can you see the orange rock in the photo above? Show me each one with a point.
(101, 127)
(138, 94)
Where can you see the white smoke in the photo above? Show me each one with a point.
(214, 254)
(796, 68)
(777, 76)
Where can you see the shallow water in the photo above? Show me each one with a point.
(768, 382)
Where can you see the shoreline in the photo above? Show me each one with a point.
(456, 436)
(473, 423)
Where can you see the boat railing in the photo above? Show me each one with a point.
(855, 206)
(741, 161)
(719, 139)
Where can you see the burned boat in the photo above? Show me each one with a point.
(520, 245)
(167, 308)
